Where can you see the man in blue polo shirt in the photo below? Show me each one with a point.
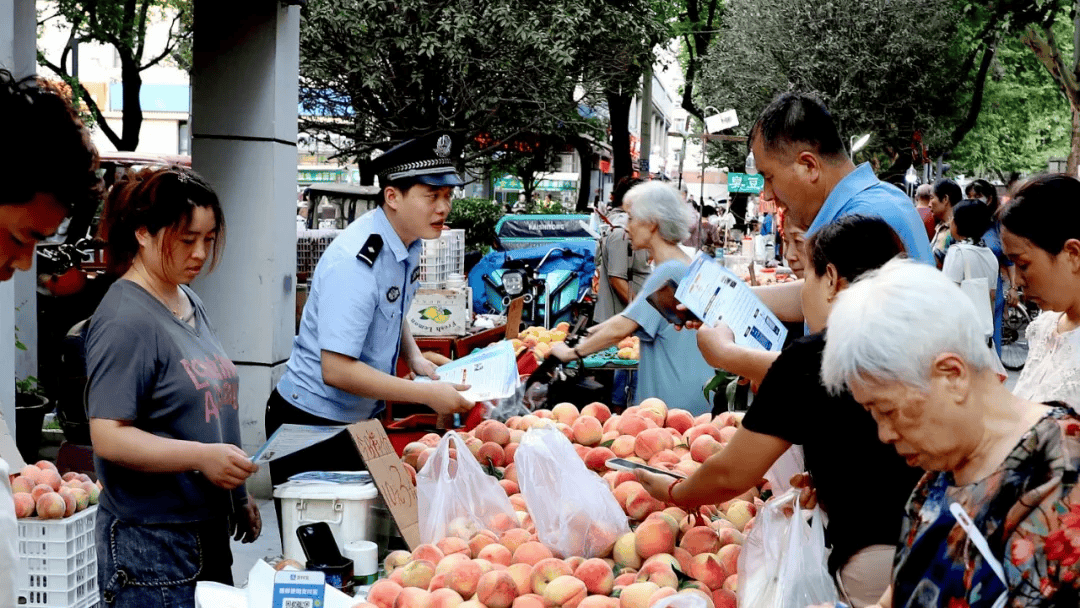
(798, 150)
(807, 171)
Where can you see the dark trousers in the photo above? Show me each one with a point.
(335, 454)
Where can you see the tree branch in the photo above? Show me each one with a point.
(170, 45)
(86, 98)
(1041, 41)
(140, 31)
(976, 98)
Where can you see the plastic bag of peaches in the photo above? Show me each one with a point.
(456, 497)
(573, 509)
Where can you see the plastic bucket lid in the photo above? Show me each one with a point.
(326, 491)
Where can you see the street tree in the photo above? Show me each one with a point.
(123, 25)
(1025, 119)
(904, 71)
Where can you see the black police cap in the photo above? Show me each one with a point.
(426, 160)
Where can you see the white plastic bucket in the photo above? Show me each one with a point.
(346, 508)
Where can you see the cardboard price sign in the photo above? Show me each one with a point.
(394, 483)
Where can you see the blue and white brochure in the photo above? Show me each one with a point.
(715, 295)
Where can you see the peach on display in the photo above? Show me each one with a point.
(680, 420)
(40, 490)
(384, 593)
(496, 590)
(454, 544)
(417, 574)
(70, 502)
(531, 553)
(565, 413)
(565, 592)
(413, 597)
(637, 595)
(631, 424)
(481, 540)
(22, 484)
(491, 452)
(597, 410)
(596, 458)
(728, 556)
(652, 537)
(429, 552)
(449, 562)
(530, 600)
(496, 554)
(623, 446)
(547, 570)
(24, 504)
(522, 575)
(445, 598)
(650, 442)
(639, 503)
(708, 569)
(625, 552)
(464, 578)
(597, 576)
(700, 539)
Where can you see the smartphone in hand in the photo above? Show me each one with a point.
(663, 300)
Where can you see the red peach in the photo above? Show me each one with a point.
(22, 484)
(700, 539)
(597, 410)
(491, 452)
(587, 431)
(384, 593)
(70, 501)
(449, 562)
(530, 600)
(661, 594)
(547, 570)
(565, 413)
(24, 504)
(652, 537)
(731, 583)
(680, 420)
(697, 431)
(650, 442)
(660, 573)
(496, 554)
(417, 574)
(639, 503)
(429, 552)
(464, 578)
(724, 598)
(531, 552)
(413, 597)
(40, 490)
(522, 575)
(565, 592)
(445, 598)
(728, 556)
(496, 590)
(45, 465)
(599, 601)
(631, 424)
(625, 578)
(637, 595)
(623, 490)
(597, 576)
(431, 440)
(478, 542)
(32, 474)
(703, 447)
(623, 446)
(511, 449)
(596, 458)
(453, 544)
(514, 538)
(708, 569)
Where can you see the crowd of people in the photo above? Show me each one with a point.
(942, 486)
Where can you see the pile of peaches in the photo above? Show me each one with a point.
(669, 550)
(39, 490)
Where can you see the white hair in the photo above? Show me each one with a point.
(891, 324)
(661, 204)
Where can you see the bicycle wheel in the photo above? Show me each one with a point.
(1014, 345)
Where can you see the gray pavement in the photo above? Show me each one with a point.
(267, 547)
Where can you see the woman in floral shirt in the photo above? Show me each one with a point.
(996, 520)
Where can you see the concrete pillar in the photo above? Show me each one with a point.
(18, 54)
(244, 99)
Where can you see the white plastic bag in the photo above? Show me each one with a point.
(790, 463)
(459, 499)
(783, 563)
(573, 509)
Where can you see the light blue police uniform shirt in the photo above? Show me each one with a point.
(861, 192)
(354, 309)
(671, 366)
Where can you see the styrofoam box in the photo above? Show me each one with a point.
(58, 562)
(346, 507)
(458, 301)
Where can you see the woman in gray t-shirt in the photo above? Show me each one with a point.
(163, 400)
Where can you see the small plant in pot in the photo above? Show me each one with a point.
(31, 405)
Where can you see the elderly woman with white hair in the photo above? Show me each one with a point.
(671, 367)
(996, 519)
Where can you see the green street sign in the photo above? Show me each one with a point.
(744, 182)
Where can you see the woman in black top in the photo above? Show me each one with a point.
(861, 483)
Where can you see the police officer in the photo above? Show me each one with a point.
(352, 331)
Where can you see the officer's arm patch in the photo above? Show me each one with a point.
(415, 274)
(372, 246)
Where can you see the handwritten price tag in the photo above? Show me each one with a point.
(394, 483)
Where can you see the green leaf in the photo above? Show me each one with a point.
(607, 444)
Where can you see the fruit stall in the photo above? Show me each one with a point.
(512, 562)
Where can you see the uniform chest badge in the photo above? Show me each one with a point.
(393, 294)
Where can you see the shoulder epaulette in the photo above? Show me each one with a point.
(370, 250)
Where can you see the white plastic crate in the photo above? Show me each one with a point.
(58, 562)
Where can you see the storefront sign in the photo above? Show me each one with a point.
(744, 182)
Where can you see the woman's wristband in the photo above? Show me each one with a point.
(671, 490)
